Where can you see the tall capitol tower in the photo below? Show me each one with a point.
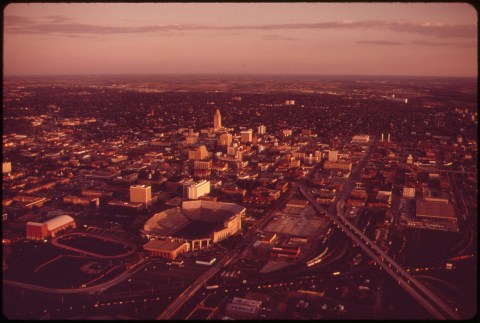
(217, 120)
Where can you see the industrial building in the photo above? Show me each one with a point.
(287, 252)
(241, 308)
(435, 211)
(50, 228)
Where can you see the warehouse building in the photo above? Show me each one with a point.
(435, 211)
(241, 308)
(50, 228)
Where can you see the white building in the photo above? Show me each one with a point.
(141, 194)
(261, 129)
(193, 190)
(49, 228)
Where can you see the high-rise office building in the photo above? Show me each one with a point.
(141, 194)
(225, 140)
(193, 190)
(232, 150)
(261, 129)
(332, 155)
(246, 136)
(217, 120)
(200, 153)
(198, 164)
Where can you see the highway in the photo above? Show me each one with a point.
(192, 289)
(431, 302)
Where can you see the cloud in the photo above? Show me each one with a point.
(379, 42)
(418, 42)
(17, 20)
(64, 25)
(58, 18)
(439, 30)
(444, 44)
(278, 37)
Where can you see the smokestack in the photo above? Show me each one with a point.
(388, 137)
(382, 136)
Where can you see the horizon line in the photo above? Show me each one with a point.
(235, 74)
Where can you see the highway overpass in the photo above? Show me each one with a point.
(431, 302)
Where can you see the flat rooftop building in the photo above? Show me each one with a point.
(360, 139)
(166, 248)
(435, 210)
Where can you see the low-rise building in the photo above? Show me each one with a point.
(435, 211)
(166, 248)
(241, 308)
(40, 231)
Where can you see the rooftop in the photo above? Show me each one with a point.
(162, 245)
(434, 209)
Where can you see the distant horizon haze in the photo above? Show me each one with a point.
(381, 39)
(238, 74)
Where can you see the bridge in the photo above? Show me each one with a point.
(431, 302)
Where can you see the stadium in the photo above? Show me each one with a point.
(198, 223)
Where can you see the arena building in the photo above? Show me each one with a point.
(199, 223)
(40, 231)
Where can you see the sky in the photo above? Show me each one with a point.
(418, 39)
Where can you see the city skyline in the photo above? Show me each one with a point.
(417, 39)
(185, 197)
